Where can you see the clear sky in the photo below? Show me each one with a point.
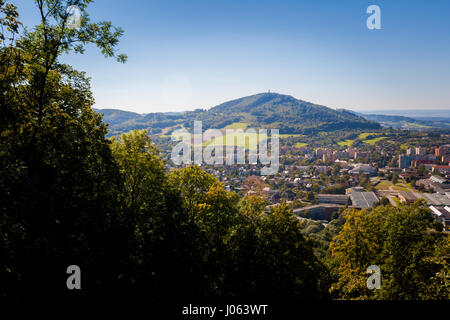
(186, 54)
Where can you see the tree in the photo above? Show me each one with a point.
(421, 170)
(252, 206)
(58, 201)
(239, 251)
(395, 178)
(289, 269)
(404, 242)
(311, 196)
(364, 181)
(384, 201)
(143, 171)
(144, 215)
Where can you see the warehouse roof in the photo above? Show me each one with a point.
(363, 200)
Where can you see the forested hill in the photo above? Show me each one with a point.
(264, 110)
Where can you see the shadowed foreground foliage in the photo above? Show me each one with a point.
(404, 242)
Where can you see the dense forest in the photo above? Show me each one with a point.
(71, 196)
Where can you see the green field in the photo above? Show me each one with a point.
(300, 144)
(284, 136)
(374, 141)
(346, 143)
(386, 186)
(167, 132)
(242, 141)
(398, 188)
(418, 125)
(362, 136)
(238, 125)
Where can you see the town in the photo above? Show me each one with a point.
(318, 183)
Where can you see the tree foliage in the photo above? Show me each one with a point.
(59, 179)
(404, 242)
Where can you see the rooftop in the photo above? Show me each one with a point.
(363, 200)
(436, 199)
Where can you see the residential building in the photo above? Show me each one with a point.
(351, 152)
(404, 161)
(441, 169)
(361, 154)
(417, 163)
(439, 152)
(421, 151)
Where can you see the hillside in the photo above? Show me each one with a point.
(408, 123)
(265, 110)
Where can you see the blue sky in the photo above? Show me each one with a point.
(200, 53)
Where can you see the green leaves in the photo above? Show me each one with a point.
(60, 185)
(8, 19)
(242, 251)
(142, 170)
(58, 37)
(402, 242)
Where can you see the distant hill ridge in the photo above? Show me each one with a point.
(264, 110)
(408, 123)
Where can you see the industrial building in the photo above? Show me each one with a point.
(432, 199)
(442, 214)
(363, 168)
(334, 198)
(363, 200)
